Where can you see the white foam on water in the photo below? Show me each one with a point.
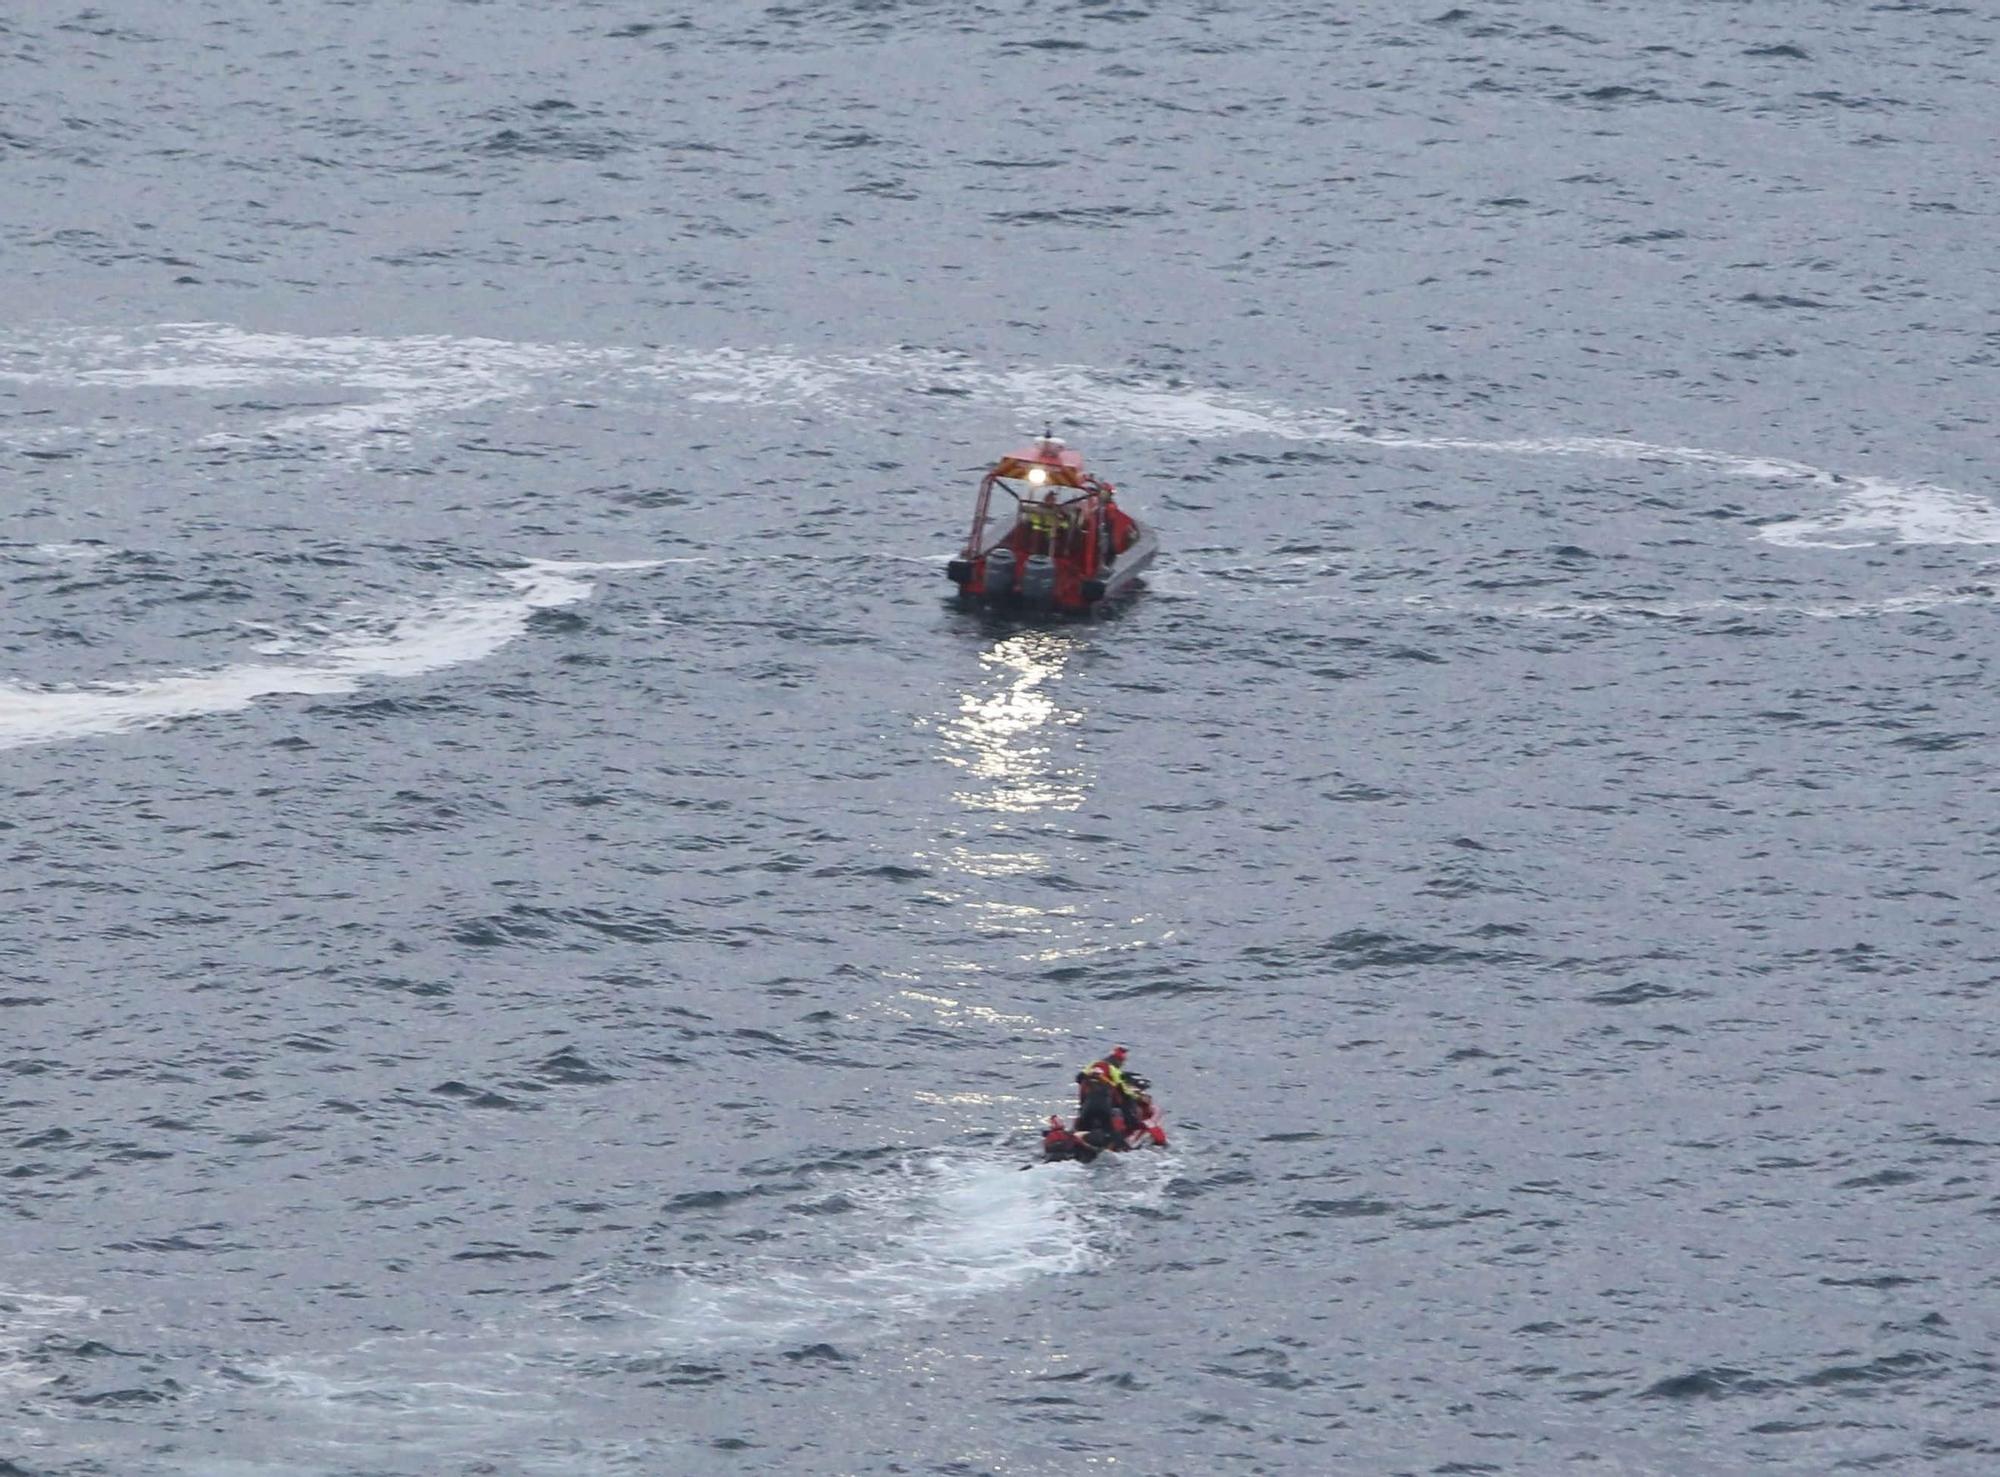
(400, 385)
(446, 632)
(740, 377)
(452, 632)
(907, 1245)
(1911, 513)
(395, 1398)
(404, 384)
(26, 1317)
(1870, 508)
(29, 716)
(936, 1232)
(1079, 393)
(384, 384)
(1633, 608)
(469, 1381)
(1912, 603)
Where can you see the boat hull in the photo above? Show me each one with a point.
(999, 579)
(1062, 1143)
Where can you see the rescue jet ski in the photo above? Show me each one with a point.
(1063, 544)
(1138, 1126)
(1061, 1141)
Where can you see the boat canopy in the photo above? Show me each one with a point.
(1057, 465)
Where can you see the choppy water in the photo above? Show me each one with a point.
(536, 942)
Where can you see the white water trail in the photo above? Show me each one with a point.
(938, 1232)
(72, 553)
(1868, 509)
(399, 385)
(860, 1255)
(24, 1318)
(1910, 512)
(446, 632)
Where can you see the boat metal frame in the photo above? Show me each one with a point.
(1076, 538)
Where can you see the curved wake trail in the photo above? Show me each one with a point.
(447, 632)
(398, 385)
(1908, 512)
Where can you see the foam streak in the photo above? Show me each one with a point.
(412, 382)
(447, 633)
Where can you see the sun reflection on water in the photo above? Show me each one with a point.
(1000, 735)
(1013, 871)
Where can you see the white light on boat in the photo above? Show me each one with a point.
(1037, 476)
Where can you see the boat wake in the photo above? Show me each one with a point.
(930, 1233)
(25, 1318)
(404, 385)
(1868, 508)
(445, 632)
(851, 1256)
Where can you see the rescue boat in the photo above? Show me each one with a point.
(1063, 544)
(1062, 1141)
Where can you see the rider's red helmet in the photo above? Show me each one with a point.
(1117, 1053)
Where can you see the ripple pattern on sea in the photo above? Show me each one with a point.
(538, 942)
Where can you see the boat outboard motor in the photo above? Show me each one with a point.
(999, 574)
(1038, 580)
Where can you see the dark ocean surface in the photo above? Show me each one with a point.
(536, 940)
